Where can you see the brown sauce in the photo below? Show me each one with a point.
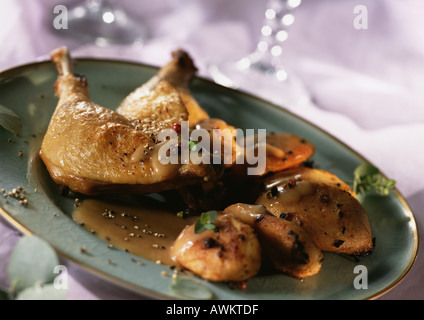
(288, 196)
(145, 231)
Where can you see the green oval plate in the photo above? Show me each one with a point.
(28, 90)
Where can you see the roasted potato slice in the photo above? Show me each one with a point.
(283, 151)
(284, 243)
(303, 173)
(296, 150)
(322, 205)
(231, 252)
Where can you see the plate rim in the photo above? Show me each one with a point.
(157, 295)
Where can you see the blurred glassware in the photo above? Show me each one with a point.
(104, 22)
(262, 71)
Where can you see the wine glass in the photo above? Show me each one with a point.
(263, 70)
(104, 23)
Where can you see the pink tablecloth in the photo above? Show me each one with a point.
(366, 84)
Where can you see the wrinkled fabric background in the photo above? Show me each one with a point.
(367, 85)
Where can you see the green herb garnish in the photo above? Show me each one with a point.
(192, 144)
(368, 178)
(180, 214)
(206, 221)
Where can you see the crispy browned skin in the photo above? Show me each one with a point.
(324, 206)
(178, 72)
(94, 150)
(284, 243)
(231, 252)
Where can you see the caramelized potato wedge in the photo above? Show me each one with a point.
(231, 252)
(296, 150)
(283, 242)
(330, 214)
(283, 151)
(302, 173)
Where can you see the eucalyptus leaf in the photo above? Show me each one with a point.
(32, 261)
(42, 292)
(191, 289)
(10, 120)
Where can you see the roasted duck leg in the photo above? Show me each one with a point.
(95, 150)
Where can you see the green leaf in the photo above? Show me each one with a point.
(209, 226)
(206, 221)
(365, 169)
(367, 178)
(10, 120)
(32, 261)
(191, 289)
(199, 227)
(42, 292)
(206, 218)
(193, 145)
(212, 216)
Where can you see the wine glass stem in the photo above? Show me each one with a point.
(97, 3)
(278, 18)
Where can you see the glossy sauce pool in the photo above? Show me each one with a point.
(145, 231)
